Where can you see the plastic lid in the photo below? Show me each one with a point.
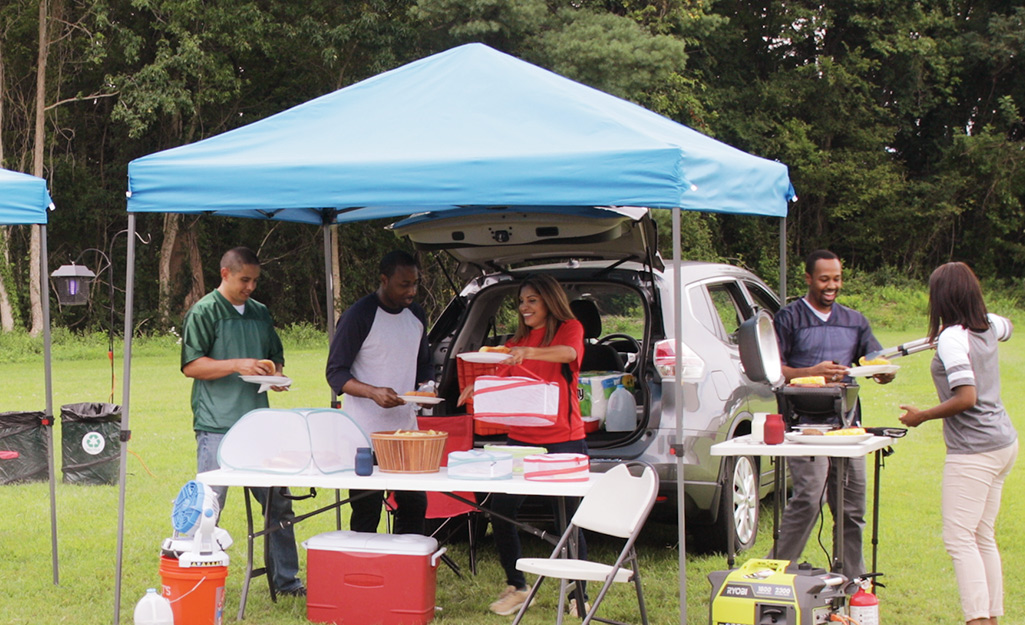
(365, 542)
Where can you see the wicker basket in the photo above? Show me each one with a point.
(409, 453)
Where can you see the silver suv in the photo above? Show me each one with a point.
(607, 261)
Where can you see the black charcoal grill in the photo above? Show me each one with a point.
(818, 404)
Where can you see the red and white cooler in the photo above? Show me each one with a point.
(357, 578)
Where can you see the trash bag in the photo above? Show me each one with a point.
(23, 432)
(90, 443)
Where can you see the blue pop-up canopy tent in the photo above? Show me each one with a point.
(470, 126)
(467, 127)
(24, 200)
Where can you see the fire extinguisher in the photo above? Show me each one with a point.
(864, 605)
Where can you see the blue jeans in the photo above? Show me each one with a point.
(283, 557)
(507, 535)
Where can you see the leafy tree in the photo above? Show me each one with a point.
(901, 122)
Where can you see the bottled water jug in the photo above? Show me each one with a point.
(621, 412)
(153, 609)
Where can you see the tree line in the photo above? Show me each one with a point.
(901, 123)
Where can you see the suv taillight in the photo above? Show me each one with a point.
(665, 361)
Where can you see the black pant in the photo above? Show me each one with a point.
(411, 506)
(507, 536)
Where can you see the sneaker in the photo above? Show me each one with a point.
(295, 591)
(510, 601)
(571, 608)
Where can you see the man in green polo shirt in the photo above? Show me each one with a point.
(227, 334)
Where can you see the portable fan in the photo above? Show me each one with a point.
(197, 541)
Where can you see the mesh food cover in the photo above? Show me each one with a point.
(334, 437)
(272, 440)
(267, 440)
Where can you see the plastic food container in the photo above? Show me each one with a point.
(518, 452)
(479, 465)
(557, 468)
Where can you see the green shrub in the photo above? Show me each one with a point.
(303, 336)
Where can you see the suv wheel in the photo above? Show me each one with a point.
(738, 505)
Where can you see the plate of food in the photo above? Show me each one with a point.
(419, 397)
(272, 380)
(868, 371)
(486, 355)
(815, 436)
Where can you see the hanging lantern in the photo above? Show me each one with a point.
(72, 284)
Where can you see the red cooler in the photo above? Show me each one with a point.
(358, 578)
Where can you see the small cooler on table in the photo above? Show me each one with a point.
(360, 578)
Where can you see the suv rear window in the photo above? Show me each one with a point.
(728, 305)
(621, 309)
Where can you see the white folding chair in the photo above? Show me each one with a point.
(617, 505)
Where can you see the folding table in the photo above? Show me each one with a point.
(841, 452)
(427, 482)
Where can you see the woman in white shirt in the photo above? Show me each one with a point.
(981, 441)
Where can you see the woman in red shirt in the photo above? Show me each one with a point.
(549, 342)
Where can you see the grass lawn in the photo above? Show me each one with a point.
(920, 585)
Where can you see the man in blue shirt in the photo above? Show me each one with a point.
(819, 337)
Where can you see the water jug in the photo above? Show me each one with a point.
(758, 427)
(621, 412)
(153, 609)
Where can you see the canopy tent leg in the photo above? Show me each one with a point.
(783, 261)
(678, 400)
(126, 385)
(44, 292)
(330, 290)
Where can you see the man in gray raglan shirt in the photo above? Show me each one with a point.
(379, 350)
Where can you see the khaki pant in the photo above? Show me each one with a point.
(972, 484)
(814, 480)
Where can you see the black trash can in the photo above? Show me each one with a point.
(23, 432)
(90, 443)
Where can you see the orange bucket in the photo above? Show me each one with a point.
(196, 593)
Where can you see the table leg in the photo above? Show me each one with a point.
(574, 551)
(838, 521)
(250, 537)
(779, 495)
(542, 534)
(268, 566)
(252, 534)
(875, 514)
(731, 528)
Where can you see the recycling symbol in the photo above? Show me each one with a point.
(93, 443)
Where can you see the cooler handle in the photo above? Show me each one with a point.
(437, 556)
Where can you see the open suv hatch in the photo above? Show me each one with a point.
(607, 261)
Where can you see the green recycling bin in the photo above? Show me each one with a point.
(90, 443)
(23, 432)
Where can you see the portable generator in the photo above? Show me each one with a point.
(775, 592)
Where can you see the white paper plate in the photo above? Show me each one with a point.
(421, 399)
(870, 370)
(483, 357)
(813, 439)
(273, 380)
